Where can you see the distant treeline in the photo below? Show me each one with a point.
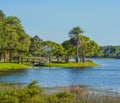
(110, 51)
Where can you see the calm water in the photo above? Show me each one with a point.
(105, 76)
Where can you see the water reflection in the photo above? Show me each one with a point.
(12, 72)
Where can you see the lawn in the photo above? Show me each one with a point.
(13, 66)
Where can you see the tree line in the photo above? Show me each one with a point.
(15, 43)
(111, 51)
(13, 38)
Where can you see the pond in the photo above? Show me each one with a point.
(105, 76)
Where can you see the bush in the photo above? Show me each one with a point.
(89, 61)
(62, 97)
(30, 94)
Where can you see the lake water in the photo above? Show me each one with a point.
(105, 76)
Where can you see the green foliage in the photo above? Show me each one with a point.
(36, 46)
(88, 48)
(30, 94)
(69, 49)
(75, 34)
(52, 49)
(49, 48)
(34, 94)
(111, 51)
(13, 38)
(62, 97)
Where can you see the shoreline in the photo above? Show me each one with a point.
(8, 66)
(83, 89)
(70, 88)
(72, 65)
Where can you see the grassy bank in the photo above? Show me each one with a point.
(12, 66)
(34, 94)
(72, 64)
(7, 66)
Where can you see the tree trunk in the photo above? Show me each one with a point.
(4, 57)
(77, 52)
(58, 59)
(10, 56)
(83, 56)
(0, 56)
(83, 59)
(50, 60)
(67, 59)
(80, 58)
(19, 57)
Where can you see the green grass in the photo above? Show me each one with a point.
(72, 64)
(12, 66)
(8, 66)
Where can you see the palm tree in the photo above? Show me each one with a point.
(75, 33)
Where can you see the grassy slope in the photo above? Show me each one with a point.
(72, 64)
(12, 66)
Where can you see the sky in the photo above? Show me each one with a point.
(53, 19)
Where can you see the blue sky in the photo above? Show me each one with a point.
(53, 19)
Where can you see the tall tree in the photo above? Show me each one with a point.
(49, 49)
(2, 18)
(60, 52)
(36, 46)
(52, 49)
(89, 48)
(2, 15)
(13, 38)
(76, 34)
(69, 49)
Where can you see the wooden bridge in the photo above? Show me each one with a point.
(36, 61)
